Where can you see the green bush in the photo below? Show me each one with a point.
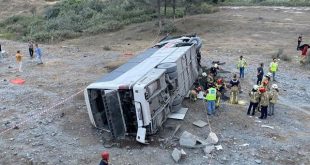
(106, 27)
(168, 27)
(201, 9)
(71, 18)
(268, 2)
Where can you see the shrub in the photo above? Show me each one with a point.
(70, 18)
(168, 27)
(106, 27)
(201, 9)
(40, 37)
(285, 57)
(107, 48)
(51, 12)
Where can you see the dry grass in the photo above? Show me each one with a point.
(115, 64)
(282, 56)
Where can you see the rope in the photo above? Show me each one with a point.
(41, 113)
(34, 117)
(208, 120)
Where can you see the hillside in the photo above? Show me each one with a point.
(49, 134)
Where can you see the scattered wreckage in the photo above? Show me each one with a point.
(136, 98)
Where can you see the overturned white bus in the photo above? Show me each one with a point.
(136, 98)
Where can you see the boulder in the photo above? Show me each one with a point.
(212, 138)
(176, 155)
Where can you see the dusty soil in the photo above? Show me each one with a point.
(26, 7)
(64, 135)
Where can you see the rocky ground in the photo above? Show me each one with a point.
(46, 134)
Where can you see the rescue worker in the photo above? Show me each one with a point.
(204, 80)
(241, 66)
(210, 99)
(273, 98)
(304, 54)
(260, 74)
(220, 88)
(234, 90)
(266, 81)
(210, 80)
(214, 69)
(194, 93)
(299, 40)
(273, 68)
(264, 102)
(105, 158)
(254, 99)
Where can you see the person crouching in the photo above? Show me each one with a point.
(194, 93)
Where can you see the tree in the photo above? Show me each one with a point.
(173, 6)
(165, 8)
(158, 13)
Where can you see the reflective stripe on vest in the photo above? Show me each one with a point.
(274, 67)
(211, 94)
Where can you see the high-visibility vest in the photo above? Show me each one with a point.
(273, 67)
(241, 63)
(211, 94)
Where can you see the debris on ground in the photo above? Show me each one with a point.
(258, 161)
(212, 138)
(208, 149)
(179, 115)
(219, 147)
(183, 154)
(200, 123)
(244, 145)
(191, 141)
(176, 155)
(267, 126)
(175, 131)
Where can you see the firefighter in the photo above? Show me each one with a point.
(214, 70)
(234, 89)
(266, 81)
(220, 88)
(264, 102)
(210, 98)
(210, 80)
(273, 98)
(254, 99)
(105, 158)
(204, 80)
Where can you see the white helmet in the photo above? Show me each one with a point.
(204, 74)
(215, 65)
(255, 87)
(274, 86)
(268, 74)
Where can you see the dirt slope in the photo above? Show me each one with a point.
(64, 135)
(15, 7)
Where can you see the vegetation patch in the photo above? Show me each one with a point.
(266, 2)
(73, 18)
